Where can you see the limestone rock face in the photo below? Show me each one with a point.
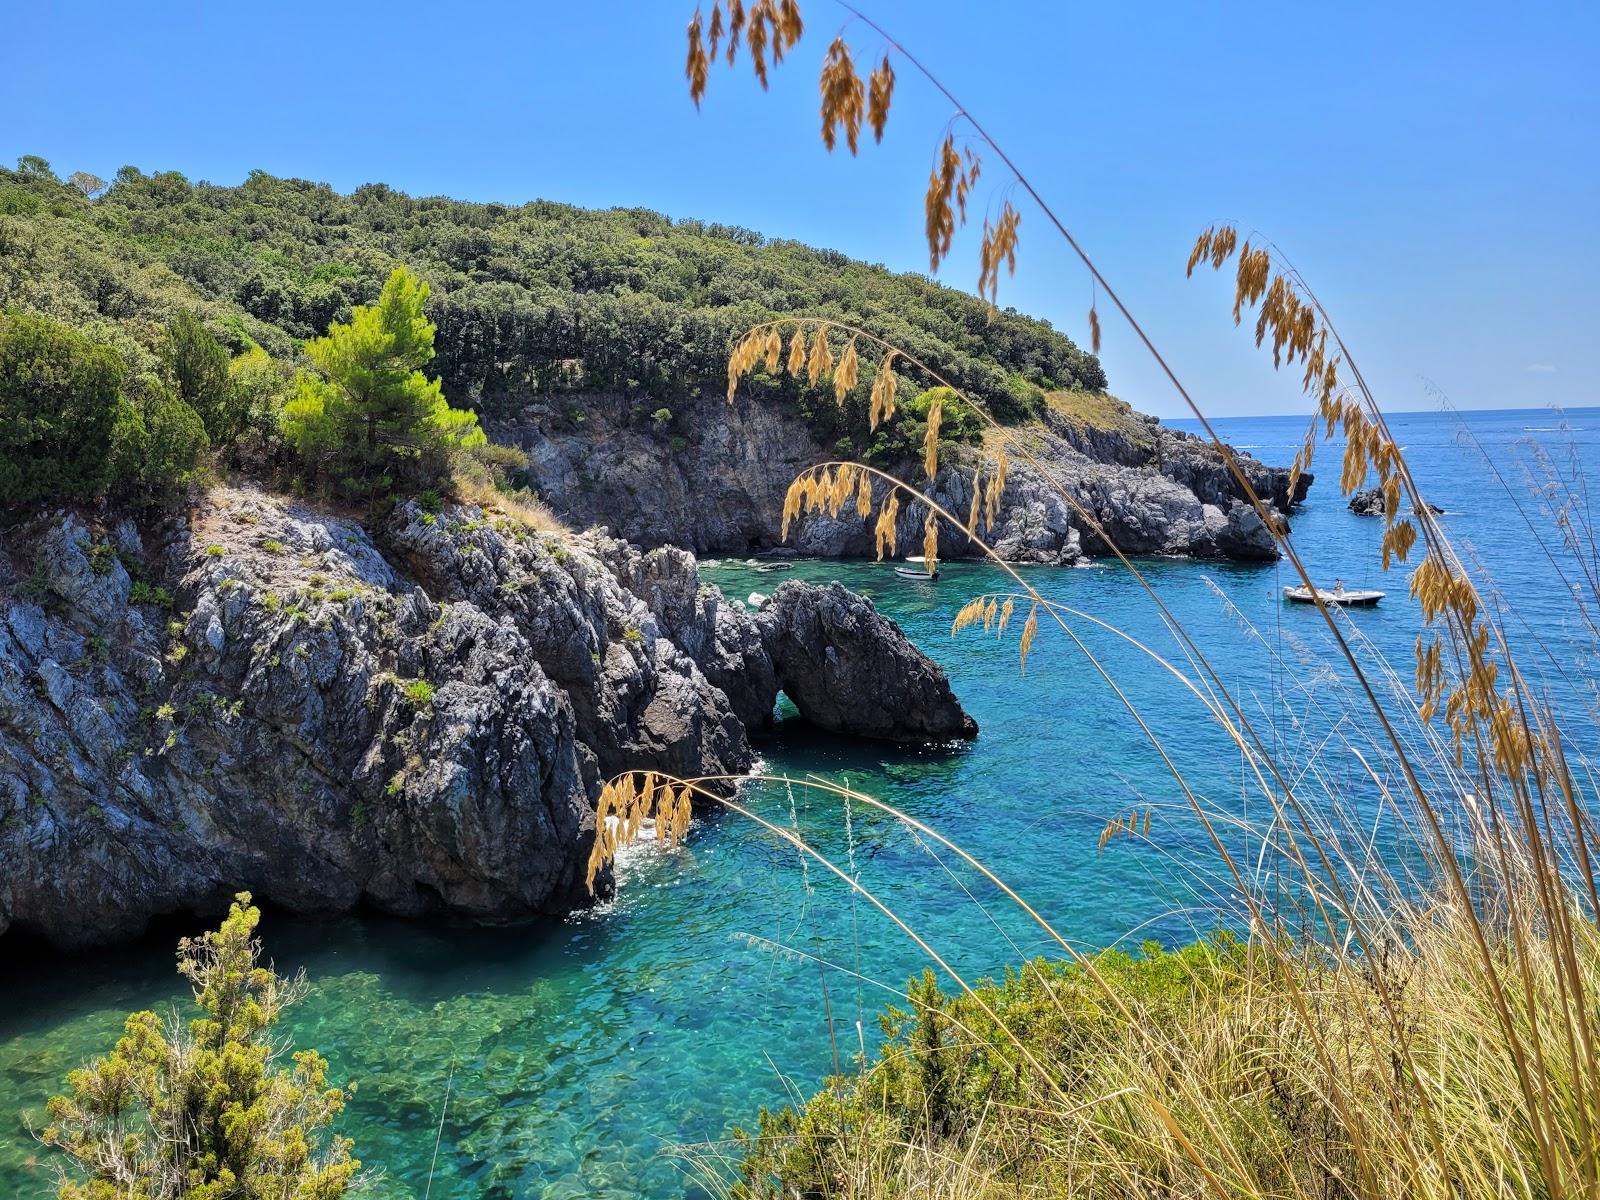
(416, 717)
(848, 668)
(718, 486)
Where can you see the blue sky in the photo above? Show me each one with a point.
(1434, 168)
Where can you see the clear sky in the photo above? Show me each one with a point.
(1434, 168)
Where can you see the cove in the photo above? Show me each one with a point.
(574, 1053)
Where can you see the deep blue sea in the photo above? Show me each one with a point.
(561, 1061)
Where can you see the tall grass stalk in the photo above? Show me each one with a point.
(1415, 1007)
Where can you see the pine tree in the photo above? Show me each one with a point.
(370, 416)
(205, 1111)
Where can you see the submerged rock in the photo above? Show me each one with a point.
(416, 718)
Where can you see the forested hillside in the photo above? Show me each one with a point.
(528, 299)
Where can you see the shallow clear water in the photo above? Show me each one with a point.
(573, 1053)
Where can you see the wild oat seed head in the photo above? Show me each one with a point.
(797, 351)
(930, 440)
(756, 39)
(790, 26)
(735, 27)
(695, 69)
(714, 36)
(969, 613)
(1398, 540)
(930, 542)
(844, 378)
(1030, 629)
(843, 95)
(821, 360)
(883, 390)
(947, 177)
(880, 94)
(791, 505)
(842, 489)
(999, 246)
(997, 486)
(1094, 331)
(885, 530)
(744, 358)
(966, 181)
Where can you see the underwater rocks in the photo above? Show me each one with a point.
(415, 717)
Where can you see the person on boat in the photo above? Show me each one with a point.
(1338, 587)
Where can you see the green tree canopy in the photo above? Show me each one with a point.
(206, 1111)
(528, 298)
(368, 416)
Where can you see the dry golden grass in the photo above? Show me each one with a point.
(1100, 411)
(522, 507)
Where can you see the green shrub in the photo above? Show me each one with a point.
(101, 558)
(419, 692)
(59, 403)
(1021, 399)
(258, 386)
(159, 442)
(143, 593)
(197, 367)
(901, 439)
(947, 1067)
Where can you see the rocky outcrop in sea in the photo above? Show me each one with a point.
(715, 483)
(1369, 502)
(415, 717)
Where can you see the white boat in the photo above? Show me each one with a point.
(768, 568)
(1344, 597)
(913, 573)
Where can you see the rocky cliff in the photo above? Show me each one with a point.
(415, 716)
(712, 477)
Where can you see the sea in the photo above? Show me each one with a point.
(598, 1055)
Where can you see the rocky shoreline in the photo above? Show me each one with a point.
(717, 487)
(413, 717)
(415, 714)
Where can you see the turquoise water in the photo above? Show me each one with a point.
(573, 1054)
